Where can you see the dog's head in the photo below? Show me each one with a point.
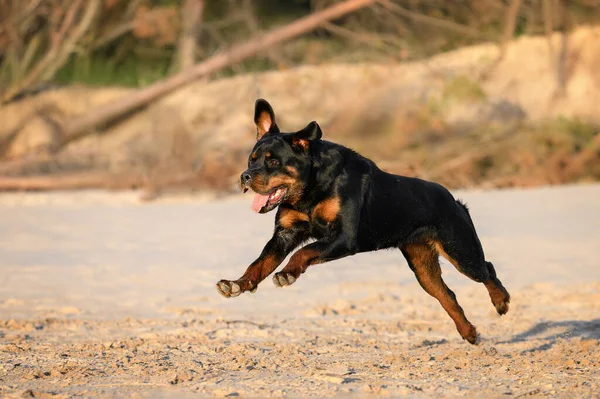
(280, 163)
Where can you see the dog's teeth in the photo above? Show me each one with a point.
(276, 194)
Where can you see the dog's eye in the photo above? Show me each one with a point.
(273, 163)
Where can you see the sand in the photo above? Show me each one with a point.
(103, 296)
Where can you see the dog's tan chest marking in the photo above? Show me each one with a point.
(289, 217)
(327, 210)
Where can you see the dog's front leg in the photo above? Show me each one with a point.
(314, 253)
(340, 240)
(278, 247)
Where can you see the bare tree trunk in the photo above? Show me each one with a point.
(191, 20)
(253, 26)
(442, 23)
(108, 112)
(510, 23)
(562, 74)
(549, 26)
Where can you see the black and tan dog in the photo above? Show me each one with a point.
(341, 199)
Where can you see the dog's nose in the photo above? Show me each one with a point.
(245, 177)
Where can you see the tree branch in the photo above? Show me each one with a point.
(191, 19)
(441, 23)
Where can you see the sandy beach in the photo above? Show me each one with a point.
(101, 295)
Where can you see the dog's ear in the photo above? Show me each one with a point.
(264, 118)
(302, 138)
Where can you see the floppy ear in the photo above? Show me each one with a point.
(264, 118)
(310, 133)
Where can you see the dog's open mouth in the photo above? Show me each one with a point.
(265, 203)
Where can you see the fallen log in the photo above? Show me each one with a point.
(74, 181)
(103, 181)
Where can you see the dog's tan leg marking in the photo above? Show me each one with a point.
(423, 260)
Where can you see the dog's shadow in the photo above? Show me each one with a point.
(553, 331)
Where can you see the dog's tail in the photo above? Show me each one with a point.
(463, 206)
(465, 209)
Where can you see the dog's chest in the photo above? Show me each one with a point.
(317, 220)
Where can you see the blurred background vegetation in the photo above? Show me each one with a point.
(491, 125)
(136, 42)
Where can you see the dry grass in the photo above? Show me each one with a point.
(552, 152)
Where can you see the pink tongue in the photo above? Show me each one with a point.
(259, 201)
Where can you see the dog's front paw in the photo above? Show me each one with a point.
(228, 289)
(282, 279)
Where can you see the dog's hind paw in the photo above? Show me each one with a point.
(282, 279)
(228, 289)
(472, 336)
(500, 299)
(501, 307)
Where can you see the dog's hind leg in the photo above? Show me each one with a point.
(459, 244)
(423, 260)
(498, 294)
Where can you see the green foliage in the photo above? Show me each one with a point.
(576, 127)
(463, 88)
(99, 70)
(146, 51)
